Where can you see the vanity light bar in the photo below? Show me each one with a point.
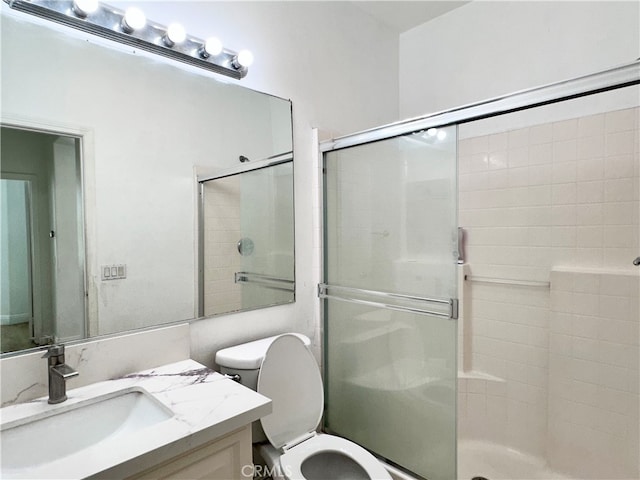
(109, 22)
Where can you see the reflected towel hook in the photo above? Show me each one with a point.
(245, 246)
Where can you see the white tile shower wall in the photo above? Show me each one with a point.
(563, 194)
(593, 373)
(221, 234)
(505, 399)
(482, 407)
(560, 194)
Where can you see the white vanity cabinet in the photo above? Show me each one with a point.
(177, 421)
(226, 458)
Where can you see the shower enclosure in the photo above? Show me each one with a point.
(549, 335)
(533, 373)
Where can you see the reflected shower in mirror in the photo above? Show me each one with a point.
(141, 125)
(247, 239)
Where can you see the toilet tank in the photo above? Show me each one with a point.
(244, 360)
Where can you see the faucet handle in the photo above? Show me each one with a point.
(54, 351)
(64, 371)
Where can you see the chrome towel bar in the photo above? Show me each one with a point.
(508, 281)
(265, 281)
(438, 307)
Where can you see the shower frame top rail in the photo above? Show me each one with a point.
(611, 79)
(248, 167)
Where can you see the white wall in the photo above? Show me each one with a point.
(485, 49)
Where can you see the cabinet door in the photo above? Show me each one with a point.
(221, 459)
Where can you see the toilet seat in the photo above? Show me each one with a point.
(291, 461)
(289, 375)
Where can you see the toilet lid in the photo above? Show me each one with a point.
(290, 377)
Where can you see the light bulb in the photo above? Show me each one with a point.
(244, 59)
(432, 132)
(442, 135)
(133, 19)
(212, 47)
(82, 8)
(175, 34)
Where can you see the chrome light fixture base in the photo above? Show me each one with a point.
(106, 22)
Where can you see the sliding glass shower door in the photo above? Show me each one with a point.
(389, 293)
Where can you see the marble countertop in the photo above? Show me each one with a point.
(205, 406)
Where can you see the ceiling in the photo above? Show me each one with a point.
(403, 15)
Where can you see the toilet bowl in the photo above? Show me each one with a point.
(290, 377)
(323, 457)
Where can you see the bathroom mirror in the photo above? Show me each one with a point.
(144, 129)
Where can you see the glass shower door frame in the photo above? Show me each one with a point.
(610, 79)
(398, 196)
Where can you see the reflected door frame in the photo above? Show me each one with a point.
(86, 152)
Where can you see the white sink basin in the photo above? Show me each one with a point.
(70, 428)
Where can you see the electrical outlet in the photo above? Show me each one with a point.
(113, 272)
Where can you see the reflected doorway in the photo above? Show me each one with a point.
(42, 279)
(16, 296)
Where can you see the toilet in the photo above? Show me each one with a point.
(283, 369)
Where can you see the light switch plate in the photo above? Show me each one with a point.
(113, 272)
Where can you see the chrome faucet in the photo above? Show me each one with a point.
(59, 372)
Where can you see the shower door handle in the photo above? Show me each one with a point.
(636, 262)
(461, 238)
